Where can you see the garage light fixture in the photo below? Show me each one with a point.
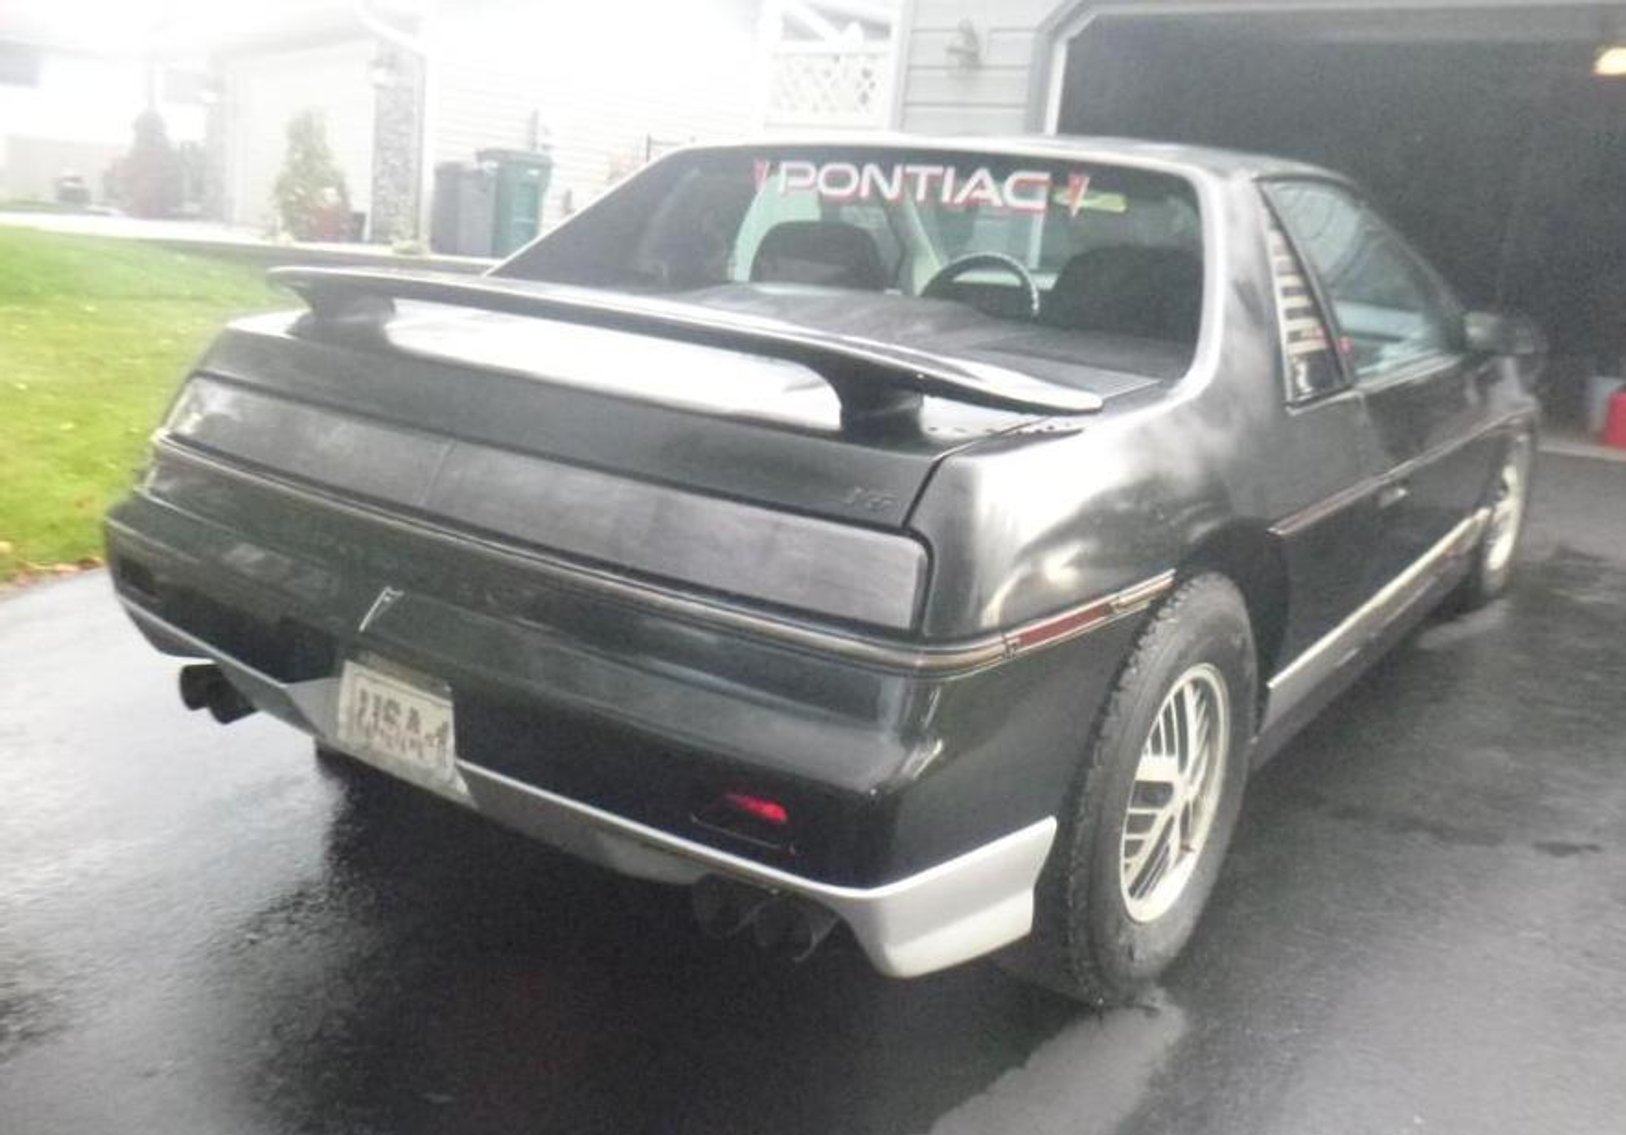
(1611, 62)
(965, 48)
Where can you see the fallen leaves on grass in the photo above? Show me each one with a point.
(28, 573)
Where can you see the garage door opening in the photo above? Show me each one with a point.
(1485, 134)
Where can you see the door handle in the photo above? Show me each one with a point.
(1392, 494)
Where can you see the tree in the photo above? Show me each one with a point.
(149, 179)
(312, 200)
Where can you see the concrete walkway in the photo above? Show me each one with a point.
(217, 239)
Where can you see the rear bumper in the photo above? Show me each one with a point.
(938, 917)
(608, 716)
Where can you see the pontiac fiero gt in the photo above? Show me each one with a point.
(921, 537)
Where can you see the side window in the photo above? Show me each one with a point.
(1389, 311)
(1312, 367)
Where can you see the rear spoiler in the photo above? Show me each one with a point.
(874, 381)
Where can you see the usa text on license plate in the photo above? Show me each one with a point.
(403, 721)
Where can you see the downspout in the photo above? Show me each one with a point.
(902, 31)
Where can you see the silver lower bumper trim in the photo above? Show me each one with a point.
(949, 913)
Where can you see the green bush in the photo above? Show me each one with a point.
(312, 200)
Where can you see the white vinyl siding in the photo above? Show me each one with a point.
(940, 97)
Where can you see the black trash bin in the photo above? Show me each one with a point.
(461, 218)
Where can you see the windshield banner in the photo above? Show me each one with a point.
(1021, 191)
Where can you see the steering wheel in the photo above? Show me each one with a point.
(941, 285)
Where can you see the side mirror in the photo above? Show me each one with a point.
(1489, 333)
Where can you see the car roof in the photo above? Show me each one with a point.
(1172, 156)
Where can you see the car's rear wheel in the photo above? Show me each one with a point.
(1153, 809)
(1498, 548)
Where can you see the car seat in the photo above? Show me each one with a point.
(1136, 290)
(832, 254)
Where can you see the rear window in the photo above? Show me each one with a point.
(1101, 248)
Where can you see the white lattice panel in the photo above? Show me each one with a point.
(828, 86)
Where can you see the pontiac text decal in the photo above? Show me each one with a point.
(1021, 191)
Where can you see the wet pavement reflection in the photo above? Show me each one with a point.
(203, 930)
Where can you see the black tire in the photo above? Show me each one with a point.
(1085, 944)
(1493, 561)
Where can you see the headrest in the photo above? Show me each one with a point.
(832, 254)
(1124, 289)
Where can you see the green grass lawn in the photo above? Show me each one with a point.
(95, 335)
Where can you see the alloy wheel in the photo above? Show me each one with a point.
(1178, 782)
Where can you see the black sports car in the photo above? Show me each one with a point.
(921, 536)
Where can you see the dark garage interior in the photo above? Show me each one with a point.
(1485, 134)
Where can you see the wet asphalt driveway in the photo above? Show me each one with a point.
(1422, 927)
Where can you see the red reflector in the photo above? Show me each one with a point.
(770, 811)
(1068, 624)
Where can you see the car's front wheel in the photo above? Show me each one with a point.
(1153, 809)
(1498, 547)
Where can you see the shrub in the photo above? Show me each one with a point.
(149, 181)
(310, 194)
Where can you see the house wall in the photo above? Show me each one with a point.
(77, 118)
(938, 97)
(263, 92)
(596, 84)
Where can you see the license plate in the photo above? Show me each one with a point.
(400, 721)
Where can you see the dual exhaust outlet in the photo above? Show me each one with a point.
(789, 927)
(204, 686)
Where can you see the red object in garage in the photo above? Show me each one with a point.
(1614, 429)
